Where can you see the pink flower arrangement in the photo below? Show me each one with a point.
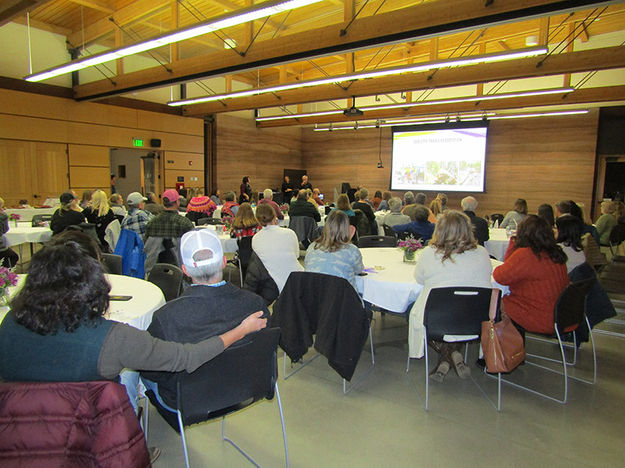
(284, 208)
(411, 244)
(7, 278)
(14, 217)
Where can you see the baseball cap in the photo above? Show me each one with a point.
(135, 198)
(194, 242)
(66, 197)
(171, 195)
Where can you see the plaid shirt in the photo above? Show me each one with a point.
(168, 224)
(136, 220)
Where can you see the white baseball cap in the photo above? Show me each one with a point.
(135, 198)
(194, 242)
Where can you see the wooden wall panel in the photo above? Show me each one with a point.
(261, 154)
(81, 177)
(184, 161)
(542, 160)
(191, 178)
(170, 123)
(84, 155)
(16, 173)
(16, 127)
(51, 169)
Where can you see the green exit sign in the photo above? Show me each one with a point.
(137, 142)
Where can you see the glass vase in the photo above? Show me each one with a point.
(410, 256)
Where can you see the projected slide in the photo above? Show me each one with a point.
(449, 159)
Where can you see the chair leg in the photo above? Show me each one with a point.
(184, 440)
(366, 373)
(594, 359)
(427, 373)
(231, 442)
(146, 413)
(304, 364)
(286, 446)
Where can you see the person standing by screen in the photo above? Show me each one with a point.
(305, 184)
(287, 190)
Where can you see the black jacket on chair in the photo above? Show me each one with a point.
(258, 280)
(326, 306)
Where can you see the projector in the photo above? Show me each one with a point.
(352, 112)
(380, 166)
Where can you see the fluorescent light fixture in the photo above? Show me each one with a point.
(464, 118)
(488, 97)
(454, 62)
(225, 21)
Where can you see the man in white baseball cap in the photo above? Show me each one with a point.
(137, 218)
(209, 307)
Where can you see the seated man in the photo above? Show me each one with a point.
(209, 307)
(421, 228)
(301, 207)
(169, 223)
(480, 225)
(395, 216)
(152, 205)
(268, 200)
(137, 218)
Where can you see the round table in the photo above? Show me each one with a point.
(498, 243)
(26, 214)
(24, 233)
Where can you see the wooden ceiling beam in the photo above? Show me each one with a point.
(582, 61)
(582, 96)
(422, 21)
(50, 27)
(96, 5)
(230, 6)
(12, 9)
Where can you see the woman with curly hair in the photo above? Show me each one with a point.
(245, 223)
(452, 258)
(535, 270)
(56, 330)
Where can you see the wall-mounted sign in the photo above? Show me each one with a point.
(137, 142)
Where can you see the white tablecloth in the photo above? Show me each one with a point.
(497, 244)
(25, 233)
(146, 298)
(227, 243)
(26, 214)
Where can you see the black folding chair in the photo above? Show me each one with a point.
(39, 219)
(211, 221)
(454, 311)
(243, 374)
(388, 231)
(377, 241)
(167, 277)
(112, 263)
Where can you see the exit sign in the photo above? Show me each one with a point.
(137, 142)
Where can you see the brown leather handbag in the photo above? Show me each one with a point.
(502, 344)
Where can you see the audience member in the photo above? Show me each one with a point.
(436, 207)
(395, 216)
(617, 234)
(377, 199)
(443, 198)
(230, 207)
(152, 205)
(245, 190)
(333, 253)
(168, 224)
(69, 214)
(409, 205)
(245, 223)
(386, 196)
(268, 200)
(86, 199)
(183, 201)
(606, 222)
(420, 199)
(545, 211)
(480, 225)
(137, 218)
(8, 257)
(513, 218)
(305, 184)
(287, 190)
(277, 248)
(200, 207)
(420, 228)
(570, 207)
(117, 205)
(113, 181)
(301, 207)
(569, 237)
(215, 197)
(100, 214)
(56, 326)
(363, 205)
(453, 258)
(209, 308)
(23, 203)
(317, 197)
(535, 270)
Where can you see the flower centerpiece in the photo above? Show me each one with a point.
(7, 278)
(410, 245)
(15, 217)
(284, 208)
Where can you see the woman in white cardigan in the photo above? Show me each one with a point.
(453, 258)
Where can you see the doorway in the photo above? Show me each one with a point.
(614, 185)
(136, 170)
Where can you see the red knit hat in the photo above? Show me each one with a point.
(200, 204)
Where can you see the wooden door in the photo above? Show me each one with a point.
(16, 181)
(51, 172)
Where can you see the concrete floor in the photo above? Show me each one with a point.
(383, 423)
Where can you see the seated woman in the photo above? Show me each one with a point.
(606, 222)
(69, 214)
(56, 330)
(100, 214)
(342, 203)
(535, 270)
(453, 258)
(200, 207)
(545, 211)
(245, 223)
(277, 248)
(383, 206)
(395, 216)
(333, 253)
(569, 237)
(513, 218)
(436, 207)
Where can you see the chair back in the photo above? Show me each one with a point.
(377, 241)
(361, 223)
(245, 250)
(39, 219)
(112, 263)
(212, 221)
(305, 228)
(388, 231)
(593, 253)
(112, 232)
(168, 278)
(244, 373)
(456, 311)
(88, 229)
(571, 305)
(496, 217)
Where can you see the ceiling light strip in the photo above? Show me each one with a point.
(225, 21)
(455, 62)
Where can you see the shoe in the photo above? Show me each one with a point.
(441, 371)
(463, 371)
(154, 453)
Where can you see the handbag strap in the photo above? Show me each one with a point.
(494, 299)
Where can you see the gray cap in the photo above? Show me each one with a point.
(135, 198)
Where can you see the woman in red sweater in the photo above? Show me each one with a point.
(535, 270)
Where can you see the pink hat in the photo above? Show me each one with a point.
(171, 195)
(200, 204)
